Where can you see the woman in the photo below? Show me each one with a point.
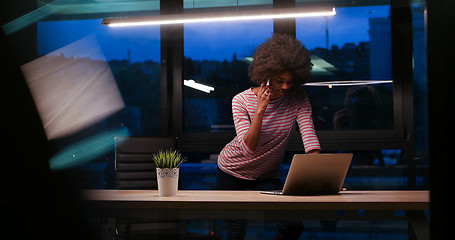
(264, 118)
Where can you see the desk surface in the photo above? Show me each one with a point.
(254, 200)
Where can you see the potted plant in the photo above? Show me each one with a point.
(167, 171)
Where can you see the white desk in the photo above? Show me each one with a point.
(252, 205)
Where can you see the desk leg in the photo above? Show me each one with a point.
(419, 224)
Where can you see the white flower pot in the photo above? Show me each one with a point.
(168, 181)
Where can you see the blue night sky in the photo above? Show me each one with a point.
(211, 41)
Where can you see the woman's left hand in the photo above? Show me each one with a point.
(314, 151)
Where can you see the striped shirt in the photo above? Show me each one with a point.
(279, 120)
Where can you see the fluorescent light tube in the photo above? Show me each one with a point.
(225, 16)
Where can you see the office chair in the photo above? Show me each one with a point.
(134, 166)
(135, 169)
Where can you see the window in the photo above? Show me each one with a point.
(354, 45)
(351, 88)
(217, 55)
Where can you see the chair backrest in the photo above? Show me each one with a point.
(134, 166)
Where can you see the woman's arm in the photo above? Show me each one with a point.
(252, 136)
(305, 122)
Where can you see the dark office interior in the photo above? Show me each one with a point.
(400, 130)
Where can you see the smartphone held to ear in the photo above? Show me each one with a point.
(267, 84)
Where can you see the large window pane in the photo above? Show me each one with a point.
(218, 55)
(133, 55)
(351, 88)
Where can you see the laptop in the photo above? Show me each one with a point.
(315, 174)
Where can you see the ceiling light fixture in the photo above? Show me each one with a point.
(199, 86)
(331, 84)
(225, 16)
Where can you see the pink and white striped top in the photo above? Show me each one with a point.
(277, 124)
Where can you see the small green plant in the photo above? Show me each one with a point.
(168, 159)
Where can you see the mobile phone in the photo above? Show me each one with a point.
(267, 84)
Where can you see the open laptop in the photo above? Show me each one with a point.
(315, 174)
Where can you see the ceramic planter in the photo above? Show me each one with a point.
(168, 181)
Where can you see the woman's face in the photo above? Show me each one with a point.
(281, 84)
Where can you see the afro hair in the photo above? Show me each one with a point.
(278, 54)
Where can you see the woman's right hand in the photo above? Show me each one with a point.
(251, 138)
(264, 93)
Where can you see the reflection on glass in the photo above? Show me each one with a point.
(72, 87)
(133, 56)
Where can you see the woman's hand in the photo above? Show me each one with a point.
(314, 151)
(264, 93)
